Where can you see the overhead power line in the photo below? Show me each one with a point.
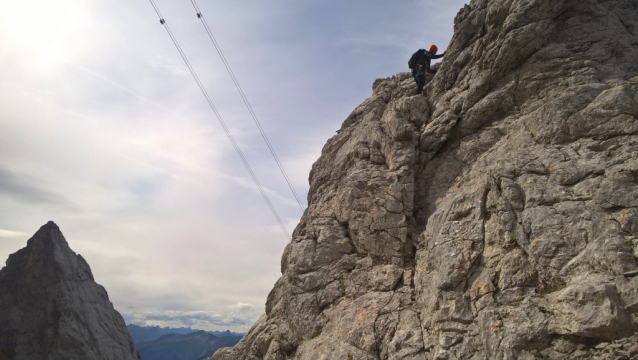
(221, 121)
(250, 109)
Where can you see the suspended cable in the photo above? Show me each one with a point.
(221, 121)
(250, 109)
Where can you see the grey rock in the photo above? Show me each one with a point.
(51, 307)
(589, 308)
(631, 273)
(494, 218)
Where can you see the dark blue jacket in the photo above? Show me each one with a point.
(426, 59)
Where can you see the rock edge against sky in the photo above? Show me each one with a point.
(494, 218)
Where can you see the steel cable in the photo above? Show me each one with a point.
(221, 121)
(247, 103)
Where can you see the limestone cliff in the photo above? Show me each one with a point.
(51, 308)
(494, 218)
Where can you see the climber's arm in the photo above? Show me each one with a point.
(434, 57)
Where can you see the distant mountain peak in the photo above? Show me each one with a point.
(51, 307)
(48, 234)
(48, 255)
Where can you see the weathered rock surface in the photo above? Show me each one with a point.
(494, 218)
(51, 308)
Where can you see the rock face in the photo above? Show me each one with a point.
(494, 218)
(51, 308)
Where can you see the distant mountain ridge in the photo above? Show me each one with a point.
(151, 333)
(193, 346)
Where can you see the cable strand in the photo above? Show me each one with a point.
(221, 121)
(247, 103)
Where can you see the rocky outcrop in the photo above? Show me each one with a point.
(51, 308)
(494, 218)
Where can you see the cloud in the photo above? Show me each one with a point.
(378, 43)
(273, 195)
(121, 87)
(34, 31)
(11, 234)
(238, 316)
(27, 189)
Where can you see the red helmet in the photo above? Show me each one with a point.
(433, 49)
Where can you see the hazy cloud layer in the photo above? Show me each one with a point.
(25, 189)
(240, 315)
(103, 131)
(11, 234)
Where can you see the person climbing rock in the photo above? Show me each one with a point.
(419, 63)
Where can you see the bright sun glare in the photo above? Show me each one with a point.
(44, 33)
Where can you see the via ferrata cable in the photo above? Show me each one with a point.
(221, 121)
(247, 103)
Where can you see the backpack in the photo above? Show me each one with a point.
(415, 57)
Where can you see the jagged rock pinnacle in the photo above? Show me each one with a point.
(48, 254)
(51, 307)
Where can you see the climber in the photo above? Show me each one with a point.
(419, 63)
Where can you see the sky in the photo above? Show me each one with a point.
(104, 131)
